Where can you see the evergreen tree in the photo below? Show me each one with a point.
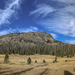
(56, 53)
(6, 59)
(44, 61)
(67, 55)
(29, 60)
(53, 53)
(35, 61)
(21, 53)
(55, 59)
(62, 53)
(73, 53)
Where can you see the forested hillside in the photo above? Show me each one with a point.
(34, 43)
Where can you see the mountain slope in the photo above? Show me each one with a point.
(30, 37)
(31, 42)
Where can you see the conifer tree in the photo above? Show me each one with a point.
(29, 60)
(53, 53)
(6, 59)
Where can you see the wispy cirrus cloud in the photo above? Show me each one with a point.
(10, 10)
(10, 30)
(7, 31)
(42, 10)
(66, 1)
(54, 35)
(31, 29)
(60, 17)
(70, 41)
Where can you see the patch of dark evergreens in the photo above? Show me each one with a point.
(61, 51)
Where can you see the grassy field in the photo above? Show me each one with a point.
(18, 65)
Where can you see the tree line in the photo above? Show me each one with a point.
(42, 49)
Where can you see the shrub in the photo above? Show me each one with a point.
(35, 61)
(6, 58)
(29, 60)
(44, 61)
(65, 60)
(55, 59)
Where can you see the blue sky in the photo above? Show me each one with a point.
(56, 17)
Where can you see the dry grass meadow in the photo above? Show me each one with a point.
(18, 65)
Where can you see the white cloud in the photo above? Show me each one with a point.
(66, 1)
(63, 22)
(42, 10)
(9, 11)
(70, 41)
(7, 31)
(63, 25)
(60, 20)
(54, 35)
(32, 29)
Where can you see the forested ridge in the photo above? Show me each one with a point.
(34, 43)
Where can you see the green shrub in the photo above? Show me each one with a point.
(35, 61)
(65, 60)
(55, 59)
(29, 60)
(6, 58)
(44, 61)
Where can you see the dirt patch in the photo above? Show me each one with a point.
(5, 71)
(4, 68)
(44, 71)
(67, 73)
(18, 73)
(42, 65)
(70, 60)
(74, 69)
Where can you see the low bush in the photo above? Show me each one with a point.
(44, 61)
(55, 59)
(65, 60)
(35, 61)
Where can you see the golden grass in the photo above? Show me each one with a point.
(18, 65)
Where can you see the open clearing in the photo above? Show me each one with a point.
(18, 65)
